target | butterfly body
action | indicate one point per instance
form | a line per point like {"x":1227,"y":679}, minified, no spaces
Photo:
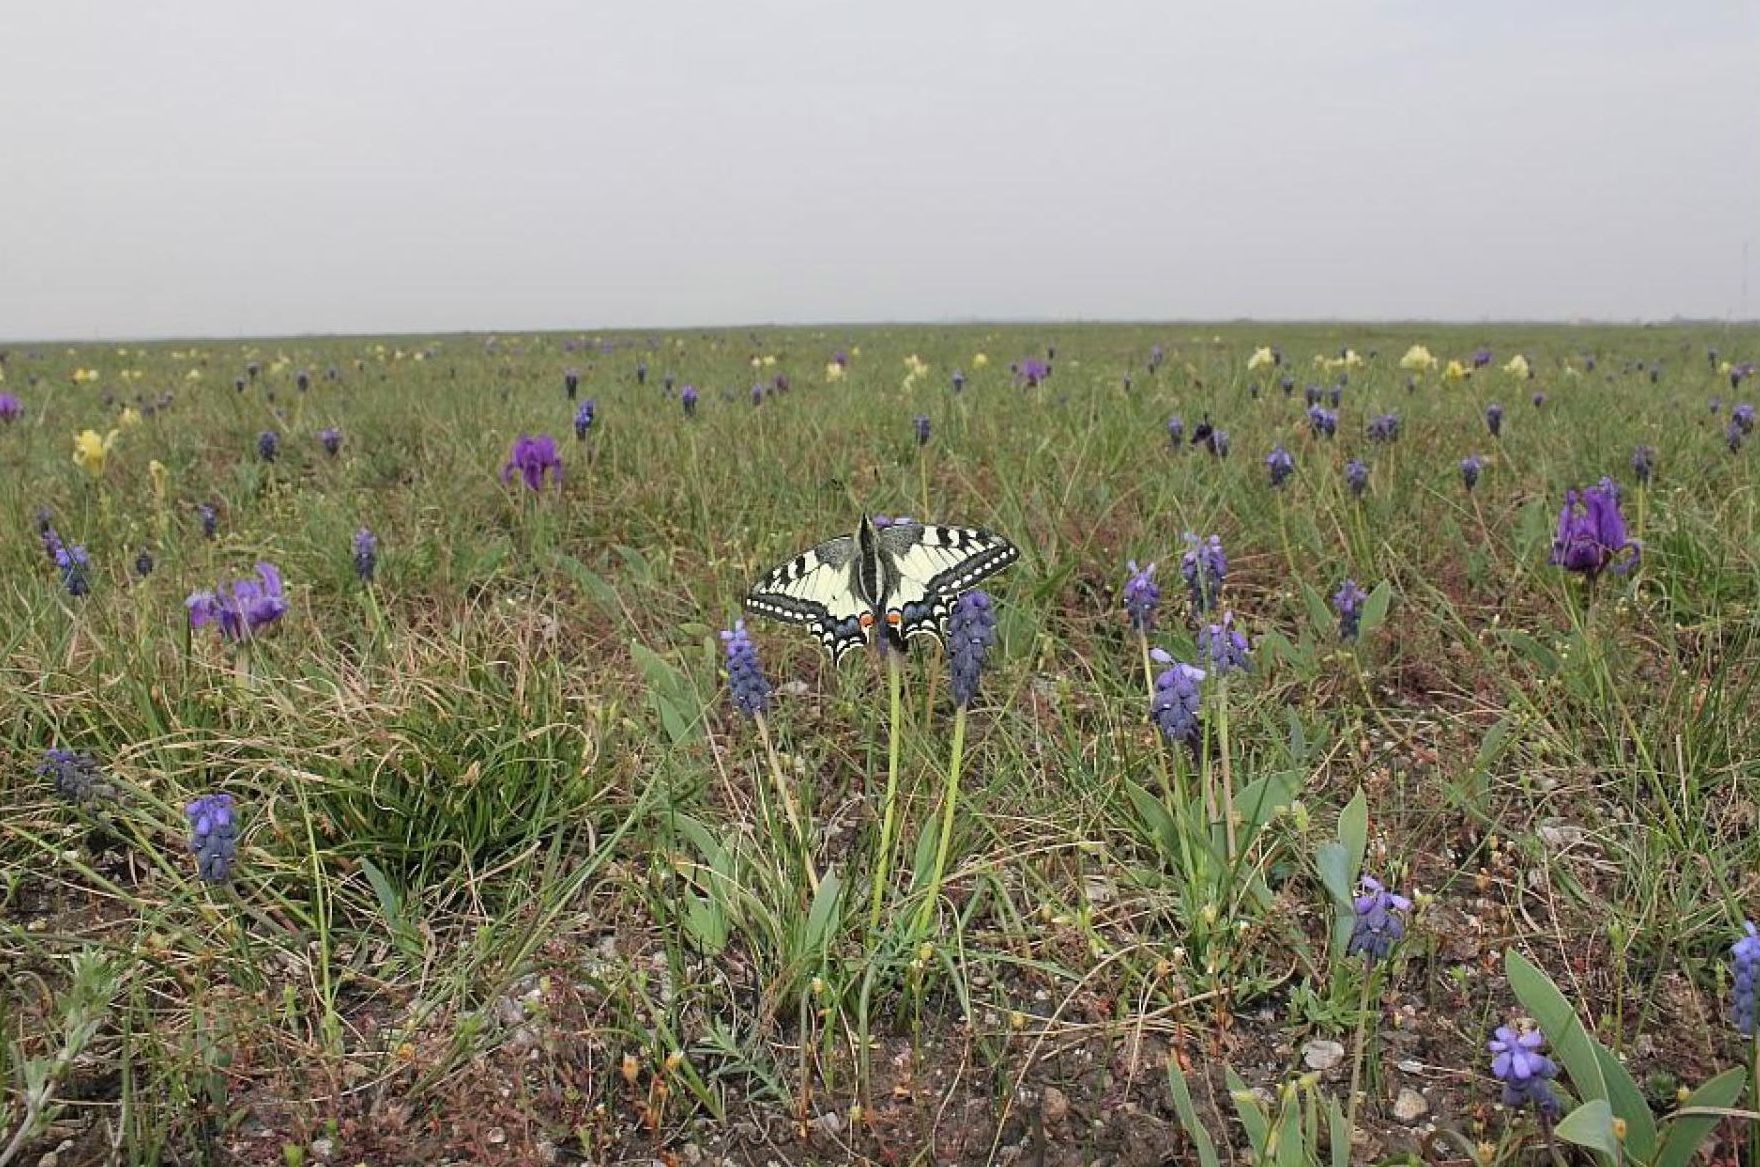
{"x":901,"y":578}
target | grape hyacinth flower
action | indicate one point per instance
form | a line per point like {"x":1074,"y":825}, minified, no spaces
{"x":1592,"y":533}
{"x":583,"y":419}
{"x":920,"y":424}
{"x":1176,"y":430}
{"x":1732,"y":436}
{"x":571,"y":382}
{"x":668,"y":381}
{"x":1337,"y":394}
{"x":1384,"y":428}
{"x":1481,"y":358}
{"x":745,"y":677}
{"x":252,"y":605}
{"x":1494,"y":419}
{"x":1218,"y":443}
{"x":758,"y":393}
{"x":1745,"y":970}
{"x":1204,"y":567}
{"x":331,"y":439}
{"x":881,"y":522}
{"x":1644,"y":463}
{"x":252,"y":369}
{"x":642,"y":372}
{"x":268,"y":445}
{"x":75,"y":567}
{"x":1314,"y":395}
{"x":1225,"y":647}
{"x":971,"y":630}
{"x":532,"y":459}
{"x":1141,"y":596}
{"x":1281,"y":465}
{"x":1348,"y":602}
{"x":11,"y":408}
{"x":779,"y":383}
{"x":302,"y":380}
{"x":1175,"y":706}
{"x":1288,"y":385}
{"x":1743,"y":415}
{"x":238,"y":384}
{"x":1740,"y":373}
{"x":1156,"y":355}
{"x":76,"y":776}
{"x":1539,"y":399}
{"x":1378,"y":926}
{"x":1525,"y":1072}
{"x":143,"y":563}
{"x":688,"y":398}
{"x":1356,"y":476}
{"x":959,"y":381}
{"x":1322,"y":423}
{"x":1471,"y":465}
{"x":209,"y":514}
{"x":366,"y":554}
{"x":213,"y":836}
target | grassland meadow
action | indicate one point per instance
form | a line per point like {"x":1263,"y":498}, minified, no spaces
{"x":1359,"y":763}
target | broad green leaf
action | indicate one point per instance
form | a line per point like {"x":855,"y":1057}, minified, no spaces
{"x":1156,"y":818}
{"x":1680,"y":1142}
{"x":1375,"y":608}
{"x":1591,"y":1125}
{"x":1252,"y":1113}
{"x":1628,"y":1103}
{"x":819,"y":916}
{"x":1188,"y":1115}
{"x":1319,"y":615}
{"x":1258,"y":802}
{"x":1577,"y":1052}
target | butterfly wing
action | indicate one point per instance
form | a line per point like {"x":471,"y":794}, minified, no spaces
{"x":928,"y":566}
{"x":817,"y":588}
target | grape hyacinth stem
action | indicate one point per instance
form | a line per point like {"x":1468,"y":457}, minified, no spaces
{"x":926,"y":915}
{"x":1227,"y":766}
{"x":786,"y":793}
{"x":889,"y":816}
{"x":1370,"y":972}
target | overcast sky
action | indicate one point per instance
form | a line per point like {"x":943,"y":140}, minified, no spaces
{"x":215,"y":167}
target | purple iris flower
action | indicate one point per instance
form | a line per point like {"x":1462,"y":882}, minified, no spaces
{"x":688,"y":398}
{"x":1218,"y":443}
{"x":1313,"y":394}
{"x":1539,"y":399}
{"x":532,"y":459}
{"x":1592,"y":534}
{"x":1281,"y":464}
{"x":1141,"y":596}
{"x":1732,"y":436}
{"x":302,"y":380}
{"x":1288,"y":385}
{"x":1337,"y":394}
{"x":1471,"y":465}
{"x":1348,"y":602}
{"x":1156,"y":355}
{"x":1494,"y":419}
{"x":840,"y":358}
{"x":779,"y":383}
{"x":143,"y":563}
{"x":1740,"y":373}
{"x":209,"y":515}
{"x":252,"y":605}
{"x":642,"y":373}
{"x":1030,"y":372}
{"x":11,"y":408}
{"x":331,"y":440}
{"x":583,"y":418}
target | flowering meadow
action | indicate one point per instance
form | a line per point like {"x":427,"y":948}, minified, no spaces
{"x":1359,"y":764}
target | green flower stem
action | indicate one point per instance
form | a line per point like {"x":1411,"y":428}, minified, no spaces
{"x":883,"y":862}
{"x":927,"y":913}
{"x":1350,"y":1106}
{"x":789,"y":806}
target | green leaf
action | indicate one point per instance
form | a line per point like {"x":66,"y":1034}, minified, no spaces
{"x":1325,"y":626}
{"x":1188,"y":1115}
{"x":819,"y":916}
{"x":1536,"y":653}
{"x":1685,"y":1132}
{"x":601,"y":593}
{"x":1258,"y":802}
{"x":1591,"y":1125}
{"x":391,"y":908}
{"x":1628,"y":1103}
{"x":1252,"y":1113}
{"x":1375,"y":609}
{"x":1339,"y":1133}
{"x":1155,"y":817}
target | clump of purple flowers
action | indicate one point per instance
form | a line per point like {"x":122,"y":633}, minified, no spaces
{"x":583,"y":418}
{"x":1644,"y":463}
{"x":1281,"y":465}
{"x":1204,"y":568}
{"x":251,"y":606}
{"x":76,"y":776}
{"x":1030,"y":372}
{"x":1525,"y":1072}
{"x":688,"y":398}
{"x":1175,"y":705}
{"x":745,"y":677}
{"x":1141,"y":596}
{"x":1592,"y":533}
{"x":1745,"y":970}
{"x":1743,"y":415}
{"x":75,"y":566}
{"x":331,"y":439}
{"x":11,"y":408}
{"x":532,"y":459}
{"x":1494,"y":419}
{"x":1471,"y":465}
{"x":1322,"y":423}
{"x":213,"y":836}
{"x":268,"y":445}
{"x":1225,"y":647}
{"x":1384,"y":428}
{"x":1356,"y":476}
{"x":1348,"y":602}
{"x":366,"y":555}
{"x":971,"y":630}
{"x":1378,"y":925}
{"x":920,"y":424}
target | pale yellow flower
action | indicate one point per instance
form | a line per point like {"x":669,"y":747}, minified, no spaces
{"x":1417,"y":360}
{"x":769,"y":361}
{"x":980,"y":361}
{"x":917,"y":365}
{"x":193,"y":375}
{"x":1725,"y":368}
{"x":1517,"y":366}
{"x":757,"y":362}
{"x":1456,"y":372}
{"x":130,"y":418}
{"x":1352,"y":359}
{"x":833,"y":371}
{"x":161,"y":479}
{"x":84,"y":376}
{"x":856,"y":351}
{"x":1261,"y":359}
{"x":91,"y":451}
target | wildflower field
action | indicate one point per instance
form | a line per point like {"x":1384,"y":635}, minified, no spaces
{"x":1357,"y":764}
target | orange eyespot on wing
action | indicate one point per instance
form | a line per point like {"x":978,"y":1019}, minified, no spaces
{"x":867,"y":619}
{"x":895,"y":618}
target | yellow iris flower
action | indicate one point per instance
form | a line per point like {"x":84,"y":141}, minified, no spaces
{"x":1417,"y":360}
{"x":90,"y":451}
{"x":980,"y":361}
{"x":130,"y":418}
{"x":1517,"y":366}
{"x":1261,"y":359}
{"x":1456,"y":372}
{"x":833,"y":371}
